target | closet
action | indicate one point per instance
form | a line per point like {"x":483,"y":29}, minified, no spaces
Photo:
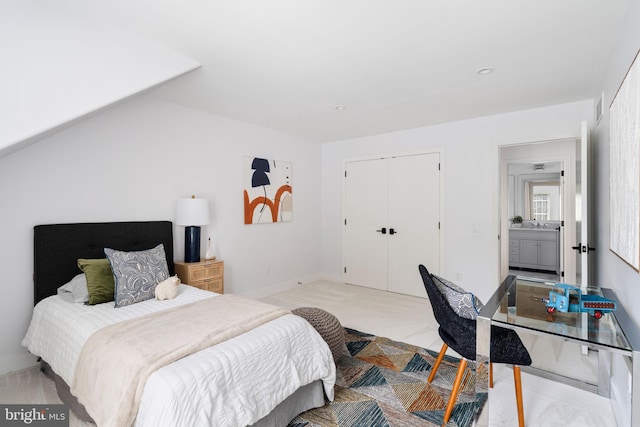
{"x":392,"y":221}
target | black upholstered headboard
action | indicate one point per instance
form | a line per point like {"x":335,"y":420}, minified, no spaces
{"x":57,"y":248}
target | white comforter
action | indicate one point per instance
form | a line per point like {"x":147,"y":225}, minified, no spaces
{"x":234,"y":383}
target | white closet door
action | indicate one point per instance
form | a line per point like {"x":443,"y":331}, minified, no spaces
{"x":392,"y":209}
{"x":414,"y":215}
{"x":366,"y":191}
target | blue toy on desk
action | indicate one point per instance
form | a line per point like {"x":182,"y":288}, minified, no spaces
{"x":570,"y":299}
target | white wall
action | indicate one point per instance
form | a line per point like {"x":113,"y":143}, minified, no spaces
{"x":470,"y":173}
{"x":133,"y":162}
{"x":611,"y":271}
{"x":58,"y":68}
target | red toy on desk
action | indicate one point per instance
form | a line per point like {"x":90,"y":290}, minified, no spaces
{"x":567,"y":298}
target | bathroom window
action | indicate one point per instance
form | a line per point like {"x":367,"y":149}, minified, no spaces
{"x":543,"y":201}
{"x":541,"y":205}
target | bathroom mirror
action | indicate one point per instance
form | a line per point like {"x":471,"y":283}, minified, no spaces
{"x":535,"y":191}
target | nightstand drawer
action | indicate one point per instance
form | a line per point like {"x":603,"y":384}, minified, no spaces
{"x":208,"y":274}
{"x":205,"y":271}
{"x":213,"y":285}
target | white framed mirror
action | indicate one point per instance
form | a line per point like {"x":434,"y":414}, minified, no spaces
{"x":535,"y":191}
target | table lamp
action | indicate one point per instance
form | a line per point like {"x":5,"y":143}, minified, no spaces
{"x":192,"y":213}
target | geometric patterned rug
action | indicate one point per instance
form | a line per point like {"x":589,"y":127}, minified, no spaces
{"x":380,"y":382}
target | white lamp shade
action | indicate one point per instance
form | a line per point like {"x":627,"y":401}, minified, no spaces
{"x":192,"y":212}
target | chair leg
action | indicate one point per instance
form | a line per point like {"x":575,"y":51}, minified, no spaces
{"x":455,"y":390}
{"x":518,"y":381}
{"x":436,"y":365}
{"x":490,"y":375}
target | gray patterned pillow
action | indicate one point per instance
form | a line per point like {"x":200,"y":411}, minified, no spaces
{"x":136,"y":274}
{"x":464,"y":303}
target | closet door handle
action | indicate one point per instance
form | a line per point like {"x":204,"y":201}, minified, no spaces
{"x":392,"y":231}
{"x":383,"y":230}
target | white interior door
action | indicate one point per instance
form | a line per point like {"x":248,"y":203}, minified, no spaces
{"x":366,"y":189}
{"x":414,"y":215}
{"x":392,"y":211}
{"x":582,"y":208}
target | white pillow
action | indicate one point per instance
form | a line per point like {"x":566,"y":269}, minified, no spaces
{"x":75,"y":290}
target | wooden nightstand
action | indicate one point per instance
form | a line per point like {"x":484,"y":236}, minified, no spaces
{"x":207,"y":275}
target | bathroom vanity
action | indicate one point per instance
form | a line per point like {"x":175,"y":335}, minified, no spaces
{"x":535,"y":247}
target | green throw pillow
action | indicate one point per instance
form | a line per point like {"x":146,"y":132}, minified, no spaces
{"x":99,"y":279}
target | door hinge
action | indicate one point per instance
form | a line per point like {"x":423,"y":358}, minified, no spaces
{"x":438,"y":166}
{"x":561,"y":173}
{"x":345,"y":174}
{"x":562,"y":223}
{"x":562,"y":274}
{"x":438,"y":225}
{"x":345,"y":269}
{"x":345,"y":221}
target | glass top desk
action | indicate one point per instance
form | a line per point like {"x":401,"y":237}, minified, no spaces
{"x":518,"y":305}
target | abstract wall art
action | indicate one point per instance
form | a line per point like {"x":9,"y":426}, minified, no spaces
{"x":267,"y":191}
{"x":624,"y":183}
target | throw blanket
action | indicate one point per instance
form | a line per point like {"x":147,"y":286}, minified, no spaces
{"x":116,"y":360}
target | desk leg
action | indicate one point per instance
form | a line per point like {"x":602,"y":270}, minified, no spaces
{"x":604,"y":373}
{"x":584,"y":320}
{"x":635,"y":388}
{"x":483,"y":346}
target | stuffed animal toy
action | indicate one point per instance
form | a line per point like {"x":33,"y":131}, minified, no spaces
{"x":168,"y":288}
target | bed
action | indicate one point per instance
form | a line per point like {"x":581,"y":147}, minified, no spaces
{"x":263,"y":377}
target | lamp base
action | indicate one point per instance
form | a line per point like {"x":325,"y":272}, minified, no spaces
{"x":192,"y":244}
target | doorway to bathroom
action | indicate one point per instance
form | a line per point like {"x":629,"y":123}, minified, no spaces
{"x":535,"y":245}
{"x":535,"y":210}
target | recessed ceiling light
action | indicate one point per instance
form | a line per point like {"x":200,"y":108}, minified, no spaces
{"x":485,"y":70}
{"x":340,"y":107}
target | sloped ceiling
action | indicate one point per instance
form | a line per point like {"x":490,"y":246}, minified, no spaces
{"x":287,"y":64}
{"x":57,"y":68}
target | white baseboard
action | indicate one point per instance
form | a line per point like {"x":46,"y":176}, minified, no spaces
{"x":17,"y":362}
{"x":281,"y":287}
{"x":336,"y":278}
